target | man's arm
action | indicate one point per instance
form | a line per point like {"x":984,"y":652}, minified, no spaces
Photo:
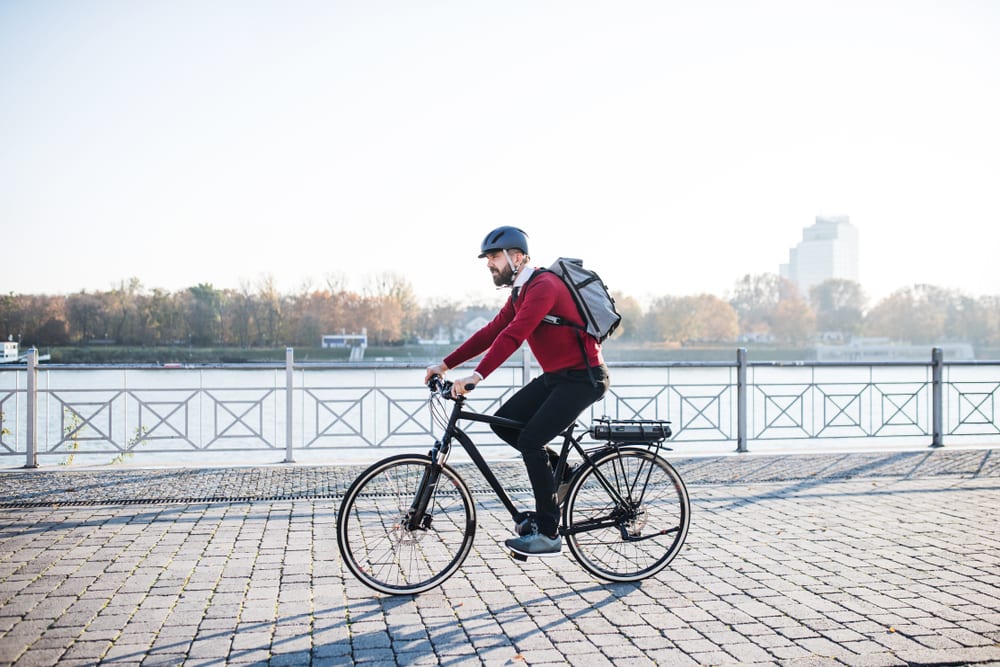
{"x":538,"y":298}
{"x":481,"y":341}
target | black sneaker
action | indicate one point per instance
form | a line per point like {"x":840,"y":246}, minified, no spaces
{"x":535,"y":544}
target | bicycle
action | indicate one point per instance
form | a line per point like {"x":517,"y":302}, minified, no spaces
{"x":407,"y":523}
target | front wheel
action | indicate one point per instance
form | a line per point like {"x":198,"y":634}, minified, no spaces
{"x":381,"y":542}
{"x":626,"y":516}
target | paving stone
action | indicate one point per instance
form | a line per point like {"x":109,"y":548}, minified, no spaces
{"x":875,"y":559}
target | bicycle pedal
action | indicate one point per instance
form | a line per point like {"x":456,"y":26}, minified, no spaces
{"x":517,"y":556}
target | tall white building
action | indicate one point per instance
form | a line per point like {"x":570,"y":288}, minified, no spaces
{"x":829,"y":249}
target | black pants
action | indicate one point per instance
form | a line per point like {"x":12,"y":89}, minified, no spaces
{"x":548,"y":405}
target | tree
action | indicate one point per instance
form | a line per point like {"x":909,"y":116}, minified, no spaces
{"x":85,"y":316}
{"x":655,"y":324}
{"x":205,"y":315}
{"x":309,"y":316}
{"x":389,"y":309}
{"x":986,"y":330}
{"x":771,"y":305}
{"x":52,"y":332}
{"x":9,"y":326}
{"x":839,"y":306}
{"x":923,"y":314}
{"x":628,"y":307}
{"x":240,"y":326}
{"x":123,"y":311}
{"x":261,"y":315}
{"x":441,"y":317}
{"x":719,"y":321}
{"x":41,"y":320}
{"x":27,"y":317}
{"x":163,"y":318}
{"x":754,"y":299}
{"x":269,"y":315}
{"x":687,"y":319}
{"x":793,"y":321}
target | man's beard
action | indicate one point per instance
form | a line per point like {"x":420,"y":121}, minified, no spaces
{"x":503,"y":278}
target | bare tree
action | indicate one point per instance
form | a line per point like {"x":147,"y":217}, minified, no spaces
{"x":923,"y":314}
{"x":629,"y":308}
{"x":687,"y":319}
{"x":839,"y":305}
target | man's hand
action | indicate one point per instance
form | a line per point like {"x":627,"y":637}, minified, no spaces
{"x":436,"y":369}
{"x":459,"y":388}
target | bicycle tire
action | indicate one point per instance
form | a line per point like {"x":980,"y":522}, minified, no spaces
{"x":655,"y":517}
{"x":375,"y":542}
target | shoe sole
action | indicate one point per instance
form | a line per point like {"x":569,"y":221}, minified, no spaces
{"x":524,"y":554}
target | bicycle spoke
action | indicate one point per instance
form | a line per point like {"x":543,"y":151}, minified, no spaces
{"x":375,"y":537}
{"x":627,"y":516}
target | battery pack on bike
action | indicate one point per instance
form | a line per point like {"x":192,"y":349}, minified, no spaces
{"x":621,"y":431}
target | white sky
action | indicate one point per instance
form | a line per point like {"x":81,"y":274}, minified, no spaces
{"x":675,"y":146}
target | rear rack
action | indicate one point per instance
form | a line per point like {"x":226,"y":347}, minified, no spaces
{"x":619,"y":431}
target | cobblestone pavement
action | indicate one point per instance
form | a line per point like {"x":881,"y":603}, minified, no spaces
{"x":820,"y":559}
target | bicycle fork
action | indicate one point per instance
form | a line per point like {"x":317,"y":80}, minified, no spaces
{"x":417,"y":518}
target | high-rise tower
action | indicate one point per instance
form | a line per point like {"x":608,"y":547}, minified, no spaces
{"x":829,"y":249}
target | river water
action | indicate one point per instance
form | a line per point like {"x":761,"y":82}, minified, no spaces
{"x":239,"y":415}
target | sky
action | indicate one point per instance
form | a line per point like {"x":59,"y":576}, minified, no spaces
{"x":674,"y":146}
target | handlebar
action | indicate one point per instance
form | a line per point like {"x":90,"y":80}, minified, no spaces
{"x":439,"y":385}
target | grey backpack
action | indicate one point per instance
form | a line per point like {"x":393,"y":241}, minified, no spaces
{"x":596,"y":306}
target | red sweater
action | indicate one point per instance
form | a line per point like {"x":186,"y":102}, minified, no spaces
{"x":555,"y":346}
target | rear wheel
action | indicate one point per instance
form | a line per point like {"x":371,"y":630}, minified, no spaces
{"x":382,"y":545}
{"x":627,"y":516}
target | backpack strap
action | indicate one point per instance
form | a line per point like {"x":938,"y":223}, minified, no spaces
{"x":516,"y":291}
{"x":581,"y":330}
{"x":562,"y":321}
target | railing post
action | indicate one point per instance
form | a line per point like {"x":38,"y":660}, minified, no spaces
{"x":741,"y":400}
{"x":32,"y":430}
{"x":937,"y":397}
{"x":289,"y":410}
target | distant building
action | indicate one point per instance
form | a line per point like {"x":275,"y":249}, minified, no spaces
{"x":345,"y":340}
{"x":357,"y":343}
{"x":883,"y":349}
{"x":9,"y":351}
{"x":829,"y":249}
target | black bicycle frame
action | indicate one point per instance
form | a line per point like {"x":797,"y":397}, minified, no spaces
{"x":452,"y":431}
{"x":477,"y":457}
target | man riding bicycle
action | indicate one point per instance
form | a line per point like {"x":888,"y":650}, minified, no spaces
{"x":572,"y":379}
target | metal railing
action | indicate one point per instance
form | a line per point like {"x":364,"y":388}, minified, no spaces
{"x":296,"y":410}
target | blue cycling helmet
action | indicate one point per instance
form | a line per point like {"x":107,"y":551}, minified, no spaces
{"x":505,"y":238}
